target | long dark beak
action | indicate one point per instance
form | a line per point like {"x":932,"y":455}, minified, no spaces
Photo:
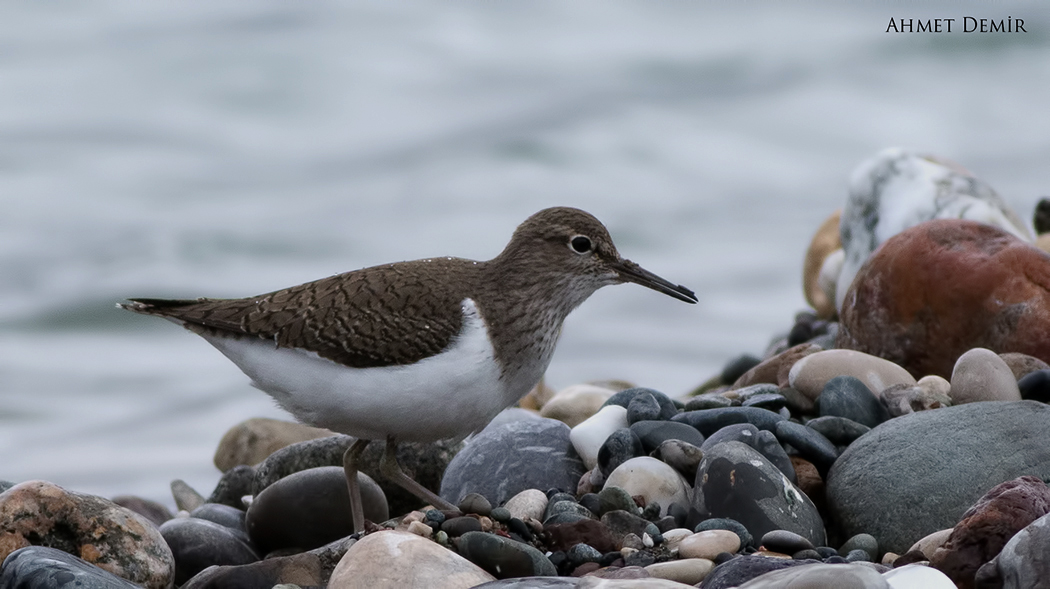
{"x":631,"y":272}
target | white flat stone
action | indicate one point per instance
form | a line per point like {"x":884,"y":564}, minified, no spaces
{"x":653,"y":480}
{"x":591,"y":433}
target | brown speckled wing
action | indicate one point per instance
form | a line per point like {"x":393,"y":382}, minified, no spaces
{"x":389,"y":315}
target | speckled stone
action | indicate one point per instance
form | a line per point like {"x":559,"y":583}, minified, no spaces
{"x":95,"y":529}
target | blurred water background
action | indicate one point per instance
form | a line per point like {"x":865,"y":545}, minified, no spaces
{"x":232,"y":148}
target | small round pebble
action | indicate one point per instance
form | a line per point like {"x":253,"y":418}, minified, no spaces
{"x":725,"y":523}
{"x":475,"y":503}
{"x":500,"y":514}
{"x":865,"y":542}
{"x":458,"y":526}
{"x":581,"y":553}
{"x":785,"y":542}
{"x":858,"y":555}
{"x":612,"y":498}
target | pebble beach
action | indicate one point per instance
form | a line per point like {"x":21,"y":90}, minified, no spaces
{"x":893,"y":436}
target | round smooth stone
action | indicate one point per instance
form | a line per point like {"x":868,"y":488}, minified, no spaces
{"x":654,"y":433}
{"x":457,"y":526}
{"x":501,"y":514}
{"x":574,"y":404}
{"x":740,"y":569}
{"x":589,"y":435}
{"x":807,"y":554}
{"x":621,"y":446}
{"x":504,"y":557}
{"x":838,"y":430}
{"x":43,"y":567}
{"x":566,"y":507}
{"x":279,"y":518}
{"x":681,"y":456}
{"x":624,"y":398}
{"x":811,"y":374}
{"x":784,"y":542}
{"x":857,"y":555}
{"x":1035,"y":386}
{"x":233,"y":485}
{"x":840,"y":576}
{"x":709,"y":544}
{"x":981,"y":375}
{"x":528,"y":504}
{"x":865,"y":542}
{"x":689,"y":571}
{"x":198,"y":544}
{"x":847,"y":396}
{"x":367,"y":563}
{"x":651,"y":479}
{"x":592,"y":503}
{"x":725,"y":523}
{"x":709,"y":421}
{"x":475,"y":503}
{"x":749,"y":392}
{"x":813,"y":446}
{"x":224,"y":515}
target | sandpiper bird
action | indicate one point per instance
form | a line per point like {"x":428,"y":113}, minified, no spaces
{"x":415,"y":351}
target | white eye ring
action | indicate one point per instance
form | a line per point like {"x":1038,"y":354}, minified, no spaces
{"x":580,"y":244}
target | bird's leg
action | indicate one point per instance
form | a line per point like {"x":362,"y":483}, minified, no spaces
{"x":350,"y":457}
{"x":392,"y":470}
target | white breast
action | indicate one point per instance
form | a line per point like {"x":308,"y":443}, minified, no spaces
{"x":445,"y":396}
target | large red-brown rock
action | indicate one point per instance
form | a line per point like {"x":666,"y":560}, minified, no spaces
{"x":987,"y":526}
{"x":943,"y":287}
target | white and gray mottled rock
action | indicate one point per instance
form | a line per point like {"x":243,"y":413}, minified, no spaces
{"x":501,"y":463}
{"x":1025,"y":560}
{"x":651,"y":479}
{"x":919,"y":473}
{"x":898,"y":189}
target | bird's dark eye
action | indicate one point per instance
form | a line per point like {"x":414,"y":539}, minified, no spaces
{"x":580,"y":244}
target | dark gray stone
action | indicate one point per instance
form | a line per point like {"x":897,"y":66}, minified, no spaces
{"x":613,"y":498}
{"x":502,"y":462}
{"x":838,"y":430}
{"x":736,"y":368}
{"x":503,"y":557}
{"x":785,"y":542}
{"x":770,"y":401}
{"x":681,"y":456}
{"x":582,"y":553}
{"x":737,"y":482}
{"x":425,"y":463}
{"x":643,"y":407}
{"x":234,"y":484}
{"x":624,"y":398}
{"x":42,"y":567}
{"x":310,"y":508}
{"x":847,"y":396}
{"x":475,"y":503}
{"x":865,"y":542}
{"x":457,"y":526}
{"x":810,"y":443}
{"x":198,"y":544}
{"x":224,"y":515}
{"x":743,"y":568}
{"x":709,"y":421}
{"x":1035,"y":386}
{"x":566,"y":512}
{"x":306,"y":569}
{"x":621,"y":446}
{"x":763,"y":441}
{"x":621,"y":523}
{"x":654,"y":433}
{"x":919,"y":473}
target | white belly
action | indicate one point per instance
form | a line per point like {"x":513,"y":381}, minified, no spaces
{"x":449,"y":395}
